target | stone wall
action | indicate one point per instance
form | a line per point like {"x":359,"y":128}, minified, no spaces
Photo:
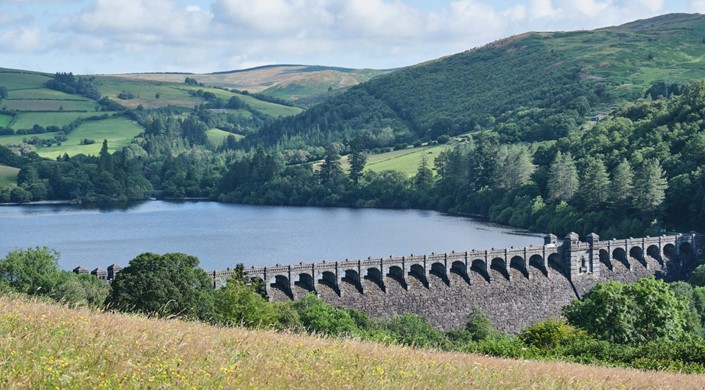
{"x":513,"y":296}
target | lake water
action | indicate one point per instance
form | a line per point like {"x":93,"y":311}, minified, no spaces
{"x":222,"y":235}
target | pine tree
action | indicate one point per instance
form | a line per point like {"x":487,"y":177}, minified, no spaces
{"x":650,"y":186}
{"x":358,"y":159}
{"x":105,"y":162}
{"x":563,"y":180}
{"x":595,"y":184}
{"x":622,"y":184}
{"x":514,"y":167}
{"x":423,"y":181}
{"x":331,"y":171}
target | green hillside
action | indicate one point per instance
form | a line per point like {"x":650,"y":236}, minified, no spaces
{"x":57,"y":121}
{"x":530,"y":87}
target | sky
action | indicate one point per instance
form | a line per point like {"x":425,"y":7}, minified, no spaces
{"x":123,"y":36}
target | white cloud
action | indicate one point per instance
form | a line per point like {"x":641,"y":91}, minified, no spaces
{"x":22,"y":39}
{"x":698,"y":6}
{"x":138,"y":21}
{"x":211,"y":35}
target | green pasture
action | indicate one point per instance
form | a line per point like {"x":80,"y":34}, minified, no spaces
{"x":240,"y":113}
{"x":14,"y":80}
{"x":5,"y":120}
{"x":145,"y":92}
{"x":8,"y":175}
{"x":7,"y":140}
{"x":217,"y":136}
{"x":177,"y":94}
{"x":42,"y":93}
{"x":26,"y":120}
{"x":271,"y":109}
{"x":49,"y":105}
{"x":405,"y":161}
{"x":118,"y":131}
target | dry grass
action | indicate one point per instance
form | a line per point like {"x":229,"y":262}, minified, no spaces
{"x":47,"y":346}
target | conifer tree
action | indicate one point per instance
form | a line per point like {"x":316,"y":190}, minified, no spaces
{"x":563,"y":180}
{"x":595,"y":184}
{"x":650,"y":186}
{"x":423,"y":181}
{"x":358,"y":159}
{"x":622,"y":183}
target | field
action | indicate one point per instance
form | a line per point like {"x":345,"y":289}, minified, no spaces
{"x":8,"y":175}
{"x":28,"y":119}
{"x":5,"y":120}
{"x":49,"y":105}
{"x":20,"y":79}
{"x":177,"y":94}
{"x":405,"y":161}
{"x":118,"y":131}
{"x":44,"y":345}
{"x":217,"y":136}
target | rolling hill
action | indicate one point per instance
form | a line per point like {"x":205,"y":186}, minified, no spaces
{"x":529,"y":87}
{"x":27,"y":102}
{"x":304,"y":84}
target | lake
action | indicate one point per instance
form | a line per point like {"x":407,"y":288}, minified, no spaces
{"x":222,"y":235}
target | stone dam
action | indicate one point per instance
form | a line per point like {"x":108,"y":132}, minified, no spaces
{"x":515,"y":287}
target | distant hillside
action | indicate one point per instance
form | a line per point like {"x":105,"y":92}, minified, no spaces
{"x":303,"y":84}
{"x":528,"y":87}
{"x":56,"y":122}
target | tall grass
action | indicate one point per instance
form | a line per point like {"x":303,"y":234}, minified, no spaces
{"x":43,"y":345}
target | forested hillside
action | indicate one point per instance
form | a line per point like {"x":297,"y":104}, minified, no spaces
{"x":531,"y":87}
{"x":531,"y":152}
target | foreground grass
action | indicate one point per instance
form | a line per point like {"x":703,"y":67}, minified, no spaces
{"x":43,"y":345}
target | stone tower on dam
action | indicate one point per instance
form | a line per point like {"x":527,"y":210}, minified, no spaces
{"x":515,"y":287}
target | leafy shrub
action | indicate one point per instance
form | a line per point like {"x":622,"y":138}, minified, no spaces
{"x":239,"y":304}
{"x":320,"y":317}
{"x":413,"y":330}
{"x":479,"y":326}
{"x":549,"y":334}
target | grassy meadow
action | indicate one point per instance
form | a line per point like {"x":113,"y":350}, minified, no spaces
{"x":43,"y":345}
{"x":8,"y":175}
{"x":118,"y":131}
{"x":19,"y":79}
{"x":217,"y":136}
{"x":177,"y":94}
{"x":405,"y":161}
{"x":26,"y":120}
{"x":5,"y":120}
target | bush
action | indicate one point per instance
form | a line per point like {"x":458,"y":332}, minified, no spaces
{"x":549,"y":334}
{"x":320,"y":317}
{"x":413,"y":330}
{"x":630,"y":314}
{"x":479,"y":326}
{"x":32,"y":271}
{"x":239,"y":304}
{"x":697,"y":278}
{"x":163,"y":285}
{"x":81,"y":290}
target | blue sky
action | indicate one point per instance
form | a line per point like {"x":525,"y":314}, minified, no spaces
{"x":119,"y":36}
